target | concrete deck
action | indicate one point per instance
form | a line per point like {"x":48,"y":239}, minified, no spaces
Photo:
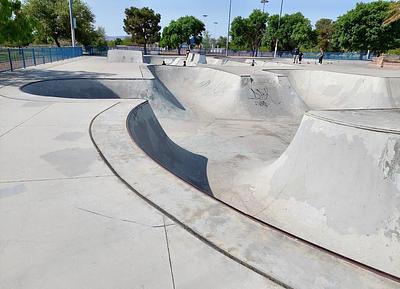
{"x":89,"y":205}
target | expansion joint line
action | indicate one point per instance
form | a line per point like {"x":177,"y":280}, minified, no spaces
{"x":169,"y":253}
{"x":25,"y":121}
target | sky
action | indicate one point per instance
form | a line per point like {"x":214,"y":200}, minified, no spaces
{"x":110,"y":13}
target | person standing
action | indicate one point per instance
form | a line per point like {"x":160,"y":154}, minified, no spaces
{"x":321,"y":55}
{"x":295,"y":55}
{"x":301,"y":54}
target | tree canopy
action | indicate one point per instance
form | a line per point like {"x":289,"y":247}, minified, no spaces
{"x":249,"y":32}
{"x":51,"y":21}
{"x":295,"y":30}
{"x":143,"y":25}
{"x":361,"y":28}
{"x":15,"y":26}
{"x":187,"y":29}
{"x":324,"y":29}
{"x":394,"y":13}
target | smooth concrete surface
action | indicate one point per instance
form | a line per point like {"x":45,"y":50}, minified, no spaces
{"x":325,"y":89}
{"x":240,"y":173}
{"x":246,"y":121}
{"x":124,"y":56}
{"x":66,"y":221}
{"x":283,"y":259}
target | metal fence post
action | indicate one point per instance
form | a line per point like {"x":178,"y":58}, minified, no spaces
{"x":34,"y":56}
{"x":9,"y":58}
{"x":23,"y":57}
{"x":51,"y":59}
{"x":44,"y":60}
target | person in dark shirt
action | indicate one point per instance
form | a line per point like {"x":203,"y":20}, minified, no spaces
{"x":295,"y":55}
{"x":301,"y":54}
{"x":321,"y":55}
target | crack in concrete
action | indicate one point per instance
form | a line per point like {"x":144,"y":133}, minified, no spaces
{"x":124,"y":220}
{"x":169,"y":254}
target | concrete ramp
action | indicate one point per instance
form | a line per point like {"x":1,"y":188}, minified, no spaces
{"x":339,"y":186}
{"x":125,"y":56}
{"x":336,"y":185}
{"x":332,"y":90}
{"x":148,"y":134}
{"x":209,"y":93}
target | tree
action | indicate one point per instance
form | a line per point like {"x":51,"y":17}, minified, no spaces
{"x":15,"y":26}
{"x":361,"y":29}
{"x":295,"y":31}
{"x":324,"y":29}
{"x":52,"y":22}
{"x":394,"y":13}
{"x":143,"y":25}
{"x":99,"y":38}
{"x":221,"y":41}
{"x":249,"y":32}
{"x":187,"y":29}
{"x":207,"y":40}
{"x":118,"y":41}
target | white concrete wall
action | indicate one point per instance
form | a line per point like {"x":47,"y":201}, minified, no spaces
{"x":332,"y":90}
{"x":117,"y":55}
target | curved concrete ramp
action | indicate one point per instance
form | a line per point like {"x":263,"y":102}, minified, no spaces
{"x":105,"y":88}
{"x":148,"y":134}
{"x":283,"y":259}
{"x":210,"y":93}
{"x":333,"y":90}
{"x":330,"y":186}
{"x":338,"y":186}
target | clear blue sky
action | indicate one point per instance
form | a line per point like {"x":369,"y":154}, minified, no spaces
{"x":110,"y":13}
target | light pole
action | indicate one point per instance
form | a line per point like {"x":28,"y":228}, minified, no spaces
{"x":205,"y":19}
{"x":279,"y":25}
{"x":71,"y":20}
{"x":264,"y":2}
{"x":229,"y":27}
{"x":215,"y":34}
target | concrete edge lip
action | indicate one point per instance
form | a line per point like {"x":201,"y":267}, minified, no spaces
{"x":199,"y":232}
{"x":338,"y":121}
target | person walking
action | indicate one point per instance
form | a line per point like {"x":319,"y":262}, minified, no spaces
{"x":295,"y":55}
{"x":321,"y":55}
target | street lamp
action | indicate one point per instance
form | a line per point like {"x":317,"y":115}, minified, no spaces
{"x":72,"y":23}
{"x":229,"y":27}
{"x":279,"y":25}
{"x":205,"y":19}
{"x":215,"y":23}
{"x":264,"y":2}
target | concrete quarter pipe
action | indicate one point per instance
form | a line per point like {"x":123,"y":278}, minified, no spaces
{"x":336,"y":185}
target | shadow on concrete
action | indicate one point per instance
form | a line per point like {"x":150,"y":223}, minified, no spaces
{"x":148,"y":134}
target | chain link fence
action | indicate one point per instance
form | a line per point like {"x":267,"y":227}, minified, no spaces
{"x":102,"y":51}
{"x":16,"y":58}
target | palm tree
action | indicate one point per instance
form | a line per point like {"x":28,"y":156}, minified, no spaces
{"x":394,"y":13}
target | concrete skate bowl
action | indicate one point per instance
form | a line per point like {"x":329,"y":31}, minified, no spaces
{"x":331,"y":179}
{"x":102,"y":88}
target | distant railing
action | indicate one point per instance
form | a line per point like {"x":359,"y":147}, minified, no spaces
{"x":15,"y":58}
{"x":331,"y":55}
{"x":102,"y":51}
{"x":289,"y":54}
